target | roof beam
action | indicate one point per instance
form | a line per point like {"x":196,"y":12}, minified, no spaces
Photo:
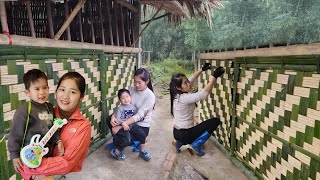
{"x":292,"y":50}
{"x":69,"y":19}
{"x":127,"y":5}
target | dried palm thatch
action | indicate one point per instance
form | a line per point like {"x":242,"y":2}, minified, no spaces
{"x":176,"y":9}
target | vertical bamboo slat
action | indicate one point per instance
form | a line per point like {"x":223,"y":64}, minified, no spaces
{"x":66,"y":12}
{"x":49,"y":16}
{"x":109,"y":21}
{"x":31,"y":22}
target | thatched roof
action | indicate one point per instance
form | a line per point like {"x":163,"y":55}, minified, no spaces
{"x":178,"y":9}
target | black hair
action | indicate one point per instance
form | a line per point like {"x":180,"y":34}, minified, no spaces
{"x":144,"y":74}
{"x":121,"y":91}
{"x":80,"y":81}
{"x":176,"y":81}
{"x":33,"y":75}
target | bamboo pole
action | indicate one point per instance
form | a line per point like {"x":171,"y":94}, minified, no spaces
{"x":80,"y":25}
{"x":31,"y":22}
{"x":66,"y":11}
{"x":116,"y":23}
{"x":102,"y":24}
{"x":45,"y":42}
{"x":109,"y":22}
{"x":70,"y":18}
{"x":122,"y":27}
{"x":4,"y":23}
{"x":91,"y":21}
{"x":49,"y":15}
{"x":293,"y":50}
{"x":234,"y":109}
{"x":154,"y":15}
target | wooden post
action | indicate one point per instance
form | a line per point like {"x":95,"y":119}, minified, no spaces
{"x":80,"y":25}
{"x":66,"y":12}
{"x":91,"y":21}
{"x":31,"y":22}
{"x":49,"y":16}
{"x":109,"y":22}
{"x":137,"y":38}
{"x":70,"y":18}
{"x":102,"y":23}
{"x":3,"y":15}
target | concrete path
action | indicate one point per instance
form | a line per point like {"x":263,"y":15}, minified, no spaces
{"x":165,"y":164}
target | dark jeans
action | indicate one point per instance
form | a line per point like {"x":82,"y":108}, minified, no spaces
{"x":136,"y":133}
{"x":121,"y":139}
{"x":187,"y":136}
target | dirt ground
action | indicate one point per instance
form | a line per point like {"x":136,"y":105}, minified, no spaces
{"x":165,"y":164}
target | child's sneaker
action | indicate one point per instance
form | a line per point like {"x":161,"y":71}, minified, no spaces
{"x":145,"y":155}
{"x":118,"y":155}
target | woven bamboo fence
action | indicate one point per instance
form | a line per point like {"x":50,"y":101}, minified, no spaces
{"x":104,"y":74}
{"x":270,"y":113}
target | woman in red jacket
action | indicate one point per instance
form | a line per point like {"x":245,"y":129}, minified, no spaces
{"x":75,"y":135}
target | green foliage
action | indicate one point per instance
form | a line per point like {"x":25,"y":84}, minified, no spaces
{"x":237,"y":24}
{"x":163,"y":70}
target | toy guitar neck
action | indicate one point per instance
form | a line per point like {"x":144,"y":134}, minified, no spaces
{"x":31,"y":155}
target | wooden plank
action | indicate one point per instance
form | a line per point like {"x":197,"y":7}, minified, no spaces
{"x":80,"y":25}
{"x":292,"y":50}
{"x":115,"y":15}
{"x":123,"y":34}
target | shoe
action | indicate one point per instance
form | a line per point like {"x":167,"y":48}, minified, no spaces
{"x":118,"y":155}
{"x":195,"y":147}
{"x":109,"y":146}
{"x":136,"y":146}
{"x":145,"y":155}
{"x":178,"y":145}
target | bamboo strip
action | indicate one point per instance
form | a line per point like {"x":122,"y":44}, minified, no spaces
{"x":300,"y":91}
{"x":306,"y":121}
{"x":311,"y":82}
{"x":15,"y":88}
{"x":9,"y":79}
{"x":293,"y":161}
{"x":311,"y":148}
{"x":302,"y":157}
{"x":6,"y":107}
{"x":297,"y":126}
{"x":276,"y":87}
{"x":282,"y":79}
{"x":287,"y":166}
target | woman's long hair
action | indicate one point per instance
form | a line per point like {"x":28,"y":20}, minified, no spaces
{"x":176,"y":81}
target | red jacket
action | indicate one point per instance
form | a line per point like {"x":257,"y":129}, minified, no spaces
{"x":75,"y":135}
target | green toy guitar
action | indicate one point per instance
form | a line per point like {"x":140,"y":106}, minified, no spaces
{"x":31,"y":155}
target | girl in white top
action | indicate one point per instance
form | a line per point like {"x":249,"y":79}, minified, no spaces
{"x":183,"y":103}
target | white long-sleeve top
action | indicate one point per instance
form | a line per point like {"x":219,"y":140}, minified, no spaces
{"x":184,"y":105}
{"x":144,"y":101}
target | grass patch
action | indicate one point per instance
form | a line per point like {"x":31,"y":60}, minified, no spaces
{"x":163,"y":70}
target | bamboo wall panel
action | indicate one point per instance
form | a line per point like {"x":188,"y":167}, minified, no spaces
{"x":119,"y":74}
{"x":219,"y":102}
{"x":277,"y":132}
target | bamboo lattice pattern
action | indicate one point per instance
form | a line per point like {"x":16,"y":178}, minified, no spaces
{"x":285,"y":103}
{"x":219,"y":103}
{"x":119,"y":73}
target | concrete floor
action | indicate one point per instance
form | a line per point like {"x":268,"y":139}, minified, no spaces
{"x":214,"y":165}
